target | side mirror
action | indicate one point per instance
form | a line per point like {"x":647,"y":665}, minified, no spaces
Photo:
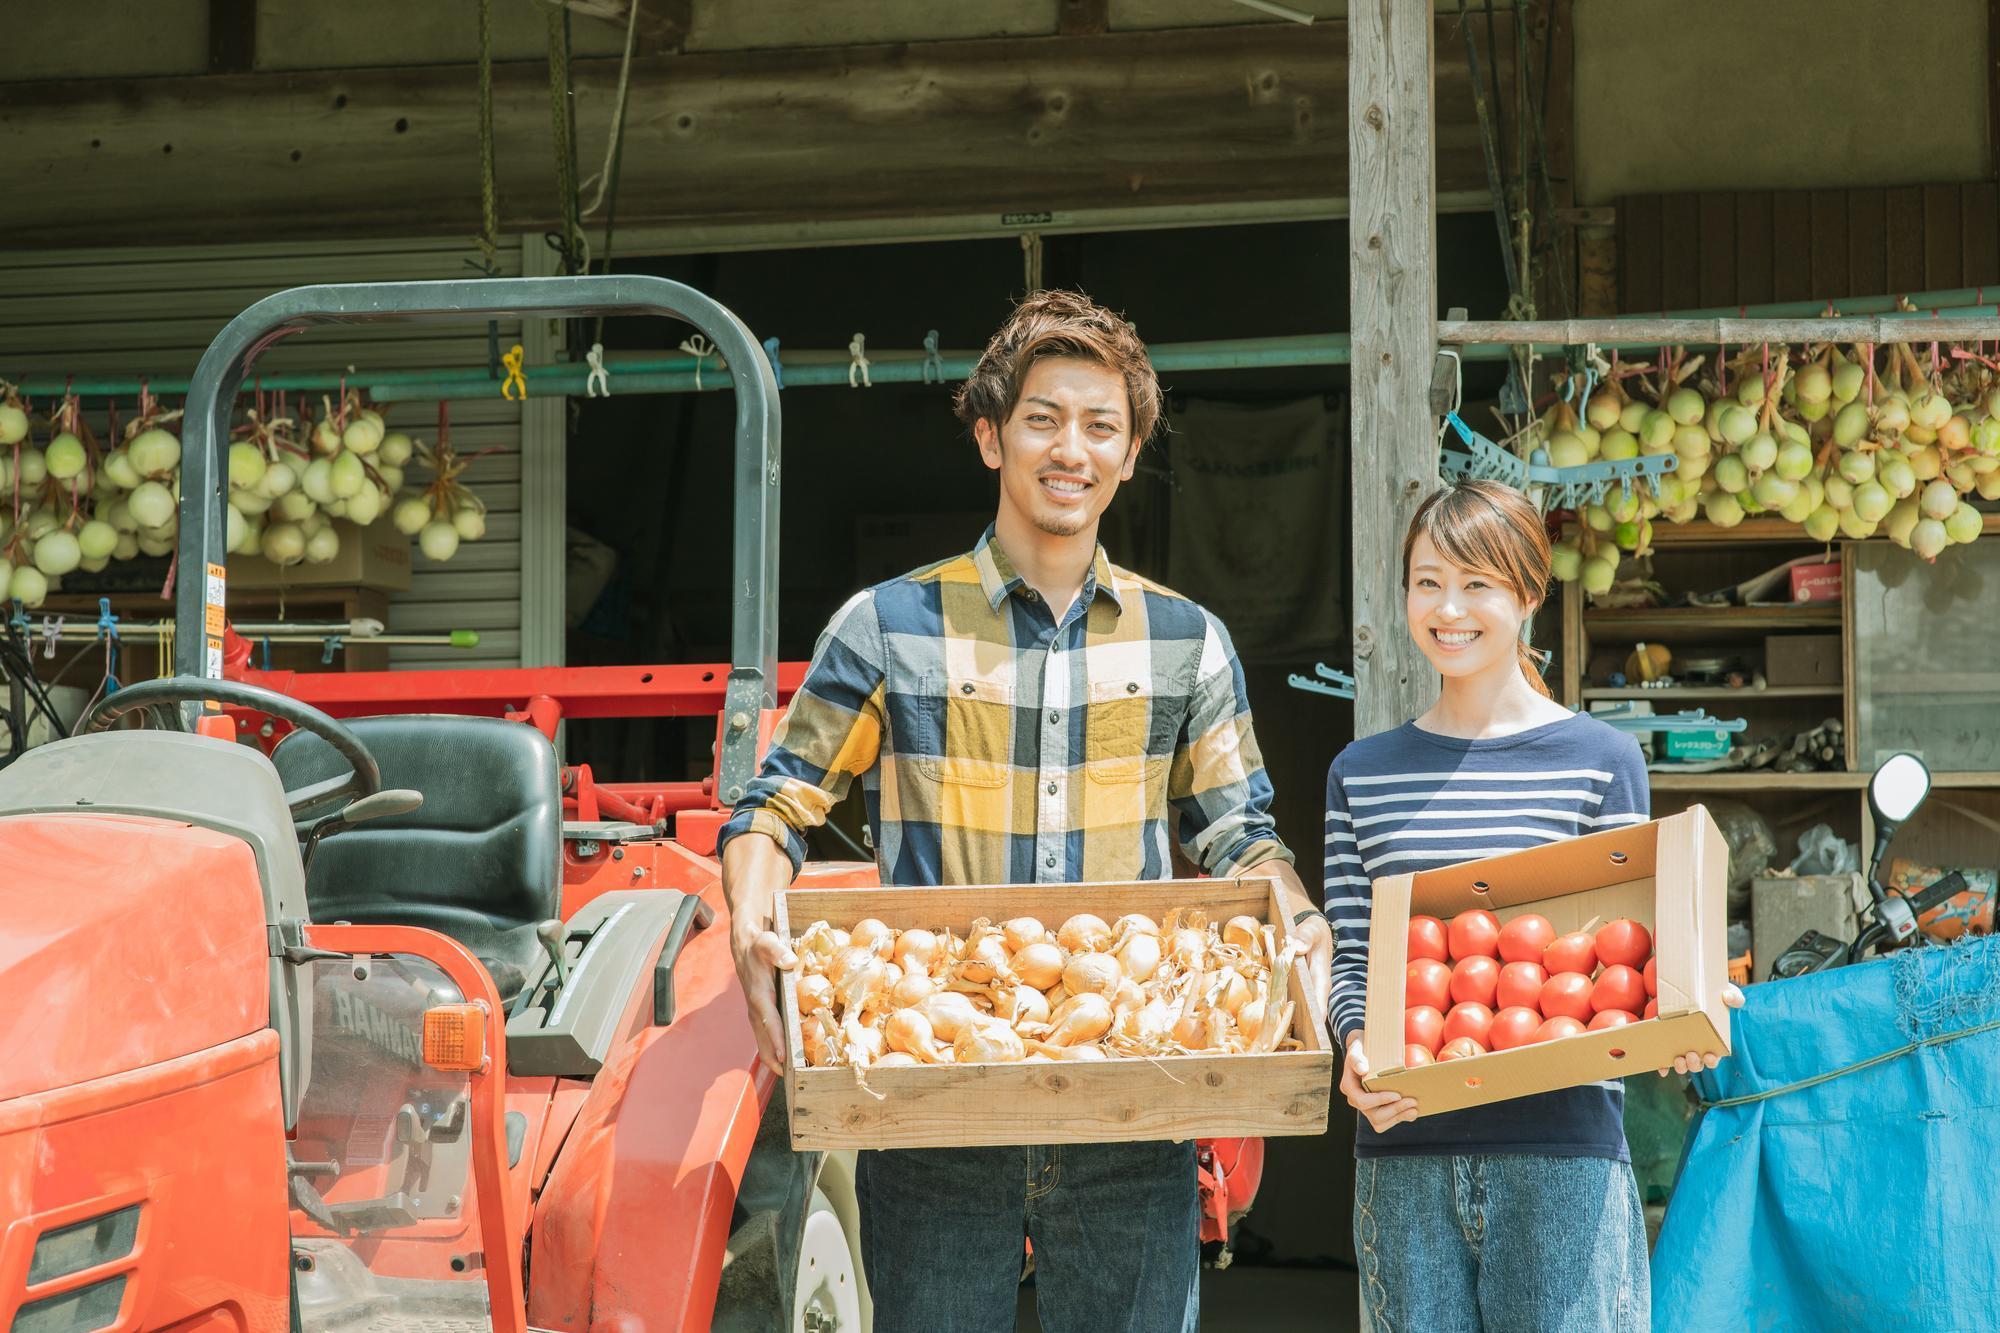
{"x":1897,"y":789}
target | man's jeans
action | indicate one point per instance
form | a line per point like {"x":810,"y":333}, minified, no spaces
{"x":1499,"y":1244}
{"x":1115,"y":1226}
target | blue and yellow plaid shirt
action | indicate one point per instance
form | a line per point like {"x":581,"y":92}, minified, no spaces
{"x":998,"y":746}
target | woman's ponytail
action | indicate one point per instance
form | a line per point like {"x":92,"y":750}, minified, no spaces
{"x":1531,"y":666}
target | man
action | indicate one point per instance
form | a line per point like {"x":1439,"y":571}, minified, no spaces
{"x":1024,"y":713}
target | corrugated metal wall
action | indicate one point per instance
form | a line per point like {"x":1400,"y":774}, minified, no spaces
{"x":153,"y":311}
{"x":1684,"y":251}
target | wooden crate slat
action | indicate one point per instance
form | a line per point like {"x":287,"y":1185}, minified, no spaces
{"x":1680,"y":246}
{"x":1791,"y":247}
{"x":1979,"y":230}
{"x":1867,"y":243}
{"x":1830,"y":278}
{"x":1639,"y":257}
{"x":1906,"y":239}
{"x":1944,"y":260}
{"x":1753,"y":248}
{"x":1717,"y":231}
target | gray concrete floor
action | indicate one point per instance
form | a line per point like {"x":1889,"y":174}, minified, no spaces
{"x":1244,"y":1299}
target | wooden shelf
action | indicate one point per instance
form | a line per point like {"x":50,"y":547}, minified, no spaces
{"x":1710,"y":621}
{"x":1755,"y":780}
{"x":1702,"y":692}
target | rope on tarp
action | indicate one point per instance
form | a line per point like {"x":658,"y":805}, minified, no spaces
{"x":1885,"y":1057}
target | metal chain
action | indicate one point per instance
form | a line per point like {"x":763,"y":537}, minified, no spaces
{"x":489,"y":237}
{"x":563,"y":124}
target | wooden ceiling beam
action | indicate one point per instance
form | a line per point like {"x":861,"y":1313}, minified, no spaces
{"x":1243,"y":114}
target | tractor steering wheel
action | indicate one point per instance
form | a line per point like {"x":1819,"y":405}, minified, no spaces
{"x":363,"y":778}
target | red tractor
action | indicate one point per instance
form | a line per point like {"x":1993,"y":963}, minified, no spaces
{"x":408,"y":1024}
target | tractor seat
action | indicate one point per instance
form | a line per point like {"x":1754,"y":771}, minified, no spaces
{"x":481,"y":861}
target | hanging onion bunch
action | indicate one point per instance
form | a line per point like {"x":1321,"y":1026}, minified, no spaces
{"x":1017,"y":991}
{"x":446,"y":512}
{"x":67,"y":504}
{"x":1847,"y":441}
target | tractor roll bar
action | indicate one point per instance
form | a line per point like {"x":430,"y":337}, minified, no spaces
{"x":212,"y":394}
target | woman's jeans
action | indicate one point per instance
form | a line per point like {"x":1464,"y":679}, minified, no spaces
{"x":1115,"y":1226}
{"x":1496,"y":1244}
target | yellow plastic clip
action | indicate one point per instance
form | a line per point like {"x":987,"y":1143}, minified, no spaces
{"x":515,"y":387}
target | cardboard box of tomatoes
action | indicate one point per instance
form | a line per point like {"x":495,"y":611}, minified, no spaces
{"x":1579,"y":961}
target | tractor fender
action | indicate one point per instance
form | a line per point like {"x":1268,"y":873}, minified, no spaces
{"x":632,"y":1229}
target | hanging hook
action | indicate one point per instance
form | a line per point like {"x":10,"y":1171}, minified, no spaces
{"x":857,"y":349}
{"x":700,"y":349}
{"x":777,"y":366}
{"x":933,"y":359}
{"x":515,"y":387}
{"x":598,"y":382}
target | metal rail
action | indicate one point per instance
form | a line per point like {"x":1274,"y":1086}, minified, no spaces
{"x":219,"y":377}
{"x":1656,"y":332}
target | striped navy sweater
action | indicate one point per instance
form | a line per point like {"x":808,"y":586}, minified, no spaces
{"x":1410,"y":800}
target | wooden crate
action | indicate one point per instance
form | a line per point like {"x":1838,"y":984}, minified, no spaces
{"x":938,"y":1106}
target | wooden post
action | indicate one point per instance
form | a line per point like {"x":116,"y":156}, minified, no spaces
{"x":1392,"y":289}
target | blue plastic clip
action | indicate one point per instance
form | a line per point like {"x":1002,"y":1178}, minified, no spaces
{"x":1563,"y":487}
{"x":266,"y":642}
{"x":777,"y":366}
{"x":18,"y":622}
{"x":1341,"y":688}
{"x":328,"y":648}
{"x":933,"y":359}
{"x":107,"y":630}
{"x":1688,"y":719}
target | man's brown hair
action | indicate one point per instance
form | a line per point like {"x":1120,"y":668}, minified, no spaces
{"x":1057,"y":323}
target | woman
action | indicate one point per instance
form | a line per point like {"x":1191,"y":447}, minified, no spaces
{"x":1519,"y":1214}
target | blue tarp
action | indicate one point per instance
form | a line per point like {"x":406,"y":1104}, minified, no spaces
{"x":1870,"y":1200}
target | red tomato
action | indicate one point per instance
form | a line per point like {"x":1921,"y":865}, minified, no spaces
{"x":1611,"y":1018}
{"x":1523,"y":939}
{"x":1423,"y":1026}
{"x":1468,"y":1020}
{"x":1475,"y":980}
{"x":1618,"y":987}
{"x":1427,"y":938}
{"x":1462,"y":1049}
{"x":1474,"y":934}
{"x":1562,"y":1025}
{"x":1567,"y":995}
{"x":1521,"y":985}
{"x":1427,"y":982}
{"x":1623,"y":941}
{"x":1574,"y":952}
{"x":1416,"y":1055}
{"x":1652,"y":976}
{"x":1513,"y":1027}
{"x":1652,"y":1009}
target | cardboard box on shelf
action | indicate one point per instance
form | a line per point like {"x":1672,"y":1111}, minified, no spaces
{"x":1104,"y":1101}
{"x":1802,"y":659}
{"x":376,"y":556}
{"x":1672,"y":875}
{"x":1816,"y":583}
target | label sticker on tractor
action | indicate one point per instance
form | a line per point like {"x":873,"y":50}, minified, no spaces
{"x":217,"y":577}
{"x":214,"y":669}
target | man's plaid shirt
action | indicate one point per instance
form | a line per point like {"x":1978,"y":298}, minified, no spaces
{"x":996,"y":746}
